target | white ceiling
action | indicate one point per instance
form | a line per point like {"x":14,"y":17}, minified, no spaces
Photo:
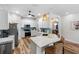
{"x":59,"y":9}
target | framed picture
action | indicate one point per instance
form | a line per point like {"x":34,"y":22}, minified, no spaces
{"x":75,"y":25}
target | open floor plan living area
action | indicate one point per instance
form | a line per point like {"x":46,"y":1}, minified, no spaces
{"x":39,"y":28}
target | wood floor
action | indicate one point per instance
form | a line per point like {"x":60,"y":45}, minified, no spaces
{"x":71,"y":48}
{"x":23,"y":46}
{"x":61,"y":47}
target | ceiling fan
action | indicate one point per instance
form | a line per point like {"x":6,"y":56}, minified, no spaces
{"x":29,"y":14}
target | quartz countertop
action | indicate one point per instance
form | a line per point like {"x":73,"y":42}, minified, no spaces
{"x":42,"y":41}
{"x":7,"y":39}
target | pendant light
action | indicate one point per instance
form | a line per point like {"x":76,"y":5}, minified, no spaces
{"x":45,"y":17}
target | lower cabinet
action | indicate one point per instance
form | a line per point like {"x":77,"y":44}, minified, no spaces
{"x":6,"y":48}
{"x":33,"y":48}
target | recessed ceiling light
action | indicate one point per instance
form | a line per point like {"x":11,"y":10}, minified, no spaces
{"x":39,"y":14}
{"x":67,"y":13}
{"x":17,"y":12}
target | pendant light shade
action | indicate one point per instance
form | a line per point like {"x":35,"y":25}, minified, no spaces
{"x":45,"y":17}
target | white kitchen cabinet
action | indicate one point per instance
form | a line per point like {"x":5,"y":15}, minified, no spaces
{"x":4,"y":20}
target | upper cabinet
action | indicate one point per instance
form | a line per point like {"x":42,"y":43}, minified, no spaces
{"x":4,"y":20}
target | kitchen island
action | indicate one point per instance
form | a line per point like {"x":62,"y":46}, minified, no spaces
{"x":42,"y":41}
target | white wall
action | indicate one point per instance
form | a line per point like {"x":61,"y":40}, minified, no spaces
{"x":13,"y":18}
{"x":67,"y":30}
{"x":3,"y":20}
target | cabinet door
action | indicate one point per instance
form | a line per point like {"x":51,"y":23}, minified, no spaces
{"x":6,"y":48}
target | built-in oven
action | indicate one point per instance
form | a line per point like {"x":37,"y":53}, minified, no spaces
{"x":27,"y":30}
